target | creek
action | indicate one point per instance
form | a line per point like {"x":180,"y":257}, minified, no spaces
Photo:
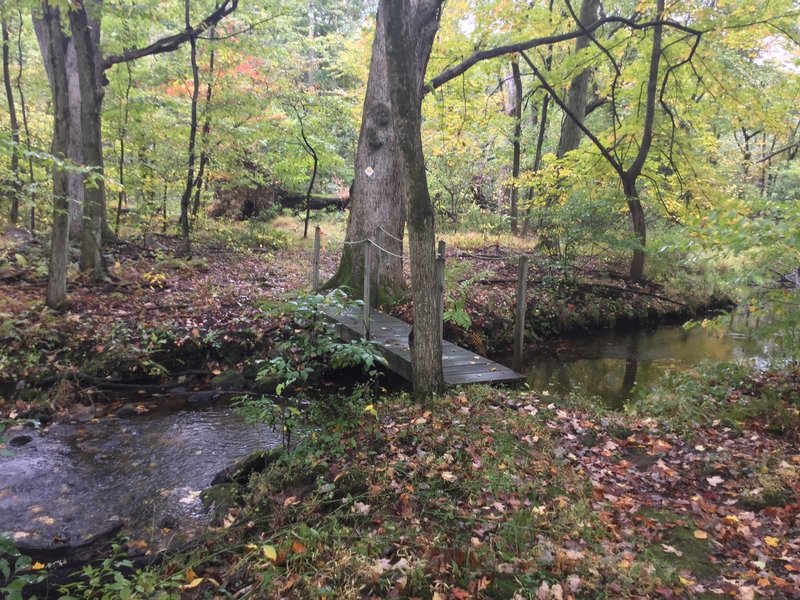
{"x":613,"y":365}
{"x":142,"y":473}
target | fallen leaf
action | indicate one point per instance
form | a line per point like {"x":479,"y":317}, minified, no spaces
{"x":37,"y":566}
{"x":448,"y":476}
{"x":671,"y":550}
{"x":772,"y":542}
{"x":715,"y":480}
{"x":269,"y":552}
{"x":298,"y":547}
{"x":700,"y":534}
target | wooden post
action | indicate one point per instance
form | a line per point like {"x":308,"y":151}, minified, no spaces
{"x":367,"y":247}
{"x":440,"y":286}
{"x":519,"y":316}
{"x":315,"y":262}
{"x":379,"y":244}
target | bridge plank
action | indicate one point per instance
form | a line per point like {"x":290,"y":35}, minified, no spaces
{"x":460,"y":365}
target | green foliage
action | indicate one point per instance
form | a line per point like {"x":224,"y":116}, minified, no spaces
{"x":116,"y":578}
{"x":310,"y":342}
{"x":17,"y":570}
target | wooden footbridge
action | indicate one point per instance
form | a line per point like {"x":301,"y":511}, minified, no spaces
{"x":392,"y":335}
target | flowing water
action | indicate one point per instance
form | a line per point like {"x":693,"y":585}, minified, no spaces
{"x":613,"y":365}
{"x":74,"y":480}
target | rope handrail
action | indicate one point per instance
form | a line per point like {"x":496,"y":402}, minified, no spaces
{"x":397,"y":239}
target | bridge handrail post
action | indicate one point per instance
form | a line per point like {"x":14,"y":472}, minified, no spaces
{"x":315,"y":260}
{"x":519,"y":313}
{"x":440,"y":287}
{"x":379,"y":244}
{"x":367,"y":260}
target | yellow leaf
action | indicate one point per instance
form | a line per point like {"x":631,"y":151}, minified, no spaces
{"x":190,"y":574}
{"x":269,"y":552}
{"x":685,"y":581}
{"x":700,"y":535}
{"x":37,"y":566}
{"x":193,"y":583}
{"x":437,"y":596}
{"x":772,"y":542}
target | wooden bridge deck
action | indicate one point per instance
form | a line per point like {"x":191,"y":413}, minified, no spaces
{"x":391,"y":334}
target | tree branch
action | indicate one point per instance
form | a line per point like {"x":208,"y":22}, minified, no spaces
{"x":563,"y":106}
{"x":173,"y":42}
{"x":482,"y":55}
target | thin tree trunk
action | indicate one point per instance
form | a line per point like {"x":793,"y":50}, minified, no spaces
{"x":537,"y":160}
{"x":122,"y":197}
{"x":16,"y":190}
{"x":201,"y":169}
{"x":408,"y":24}
{"x":517,"y":113}
{"x":56,"y":45}
{"x":313,"y":154}
{"x":91,"y":144}
{"x":187,"y":192}
{"x":25,"y":126}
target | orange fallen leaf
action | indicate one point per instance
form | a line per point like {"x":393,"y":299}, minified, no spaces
{"x":700,"y":534}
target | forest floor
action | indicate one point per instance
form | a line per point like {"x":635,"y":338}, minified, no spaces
{"x":483,"y":493}
{"x":492,"y":494}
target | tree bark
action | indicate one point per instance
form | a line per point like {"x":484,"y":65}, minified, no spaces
{"x":375,"y":198}
{"x":91,"y":144}
{"x":410,"y":29}
{"x":16,"y":186}
{"x":56,"y":45}
{"x":187,"y":191}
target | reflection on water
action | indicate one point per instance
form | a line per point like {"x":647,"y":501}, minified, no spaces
{"x":612,"y":364}
{"x":74,"y":480}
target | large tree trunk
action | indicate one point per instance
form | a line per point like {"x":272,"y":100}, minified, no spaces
{"x":578,"y":93}
{"x":410,"y":28}
{"x":56,"y":45}
{"x":375,"y":196}
{"x":12,"y":118}
{"x":70,"y":65}
{"x":91,"y":144}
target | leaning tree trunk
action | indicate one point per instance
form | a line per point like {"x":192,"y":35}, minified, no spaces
{"x":12,"y":118}
{"x":375,"y":197}
{"x":410,"y":29}
{"x":56,"y":45}
{"x":91,"y":145}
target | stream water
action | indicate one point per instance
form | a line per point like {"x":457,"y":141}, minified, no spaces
{"x":74,"y":480}
{"x":612,"y":365}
